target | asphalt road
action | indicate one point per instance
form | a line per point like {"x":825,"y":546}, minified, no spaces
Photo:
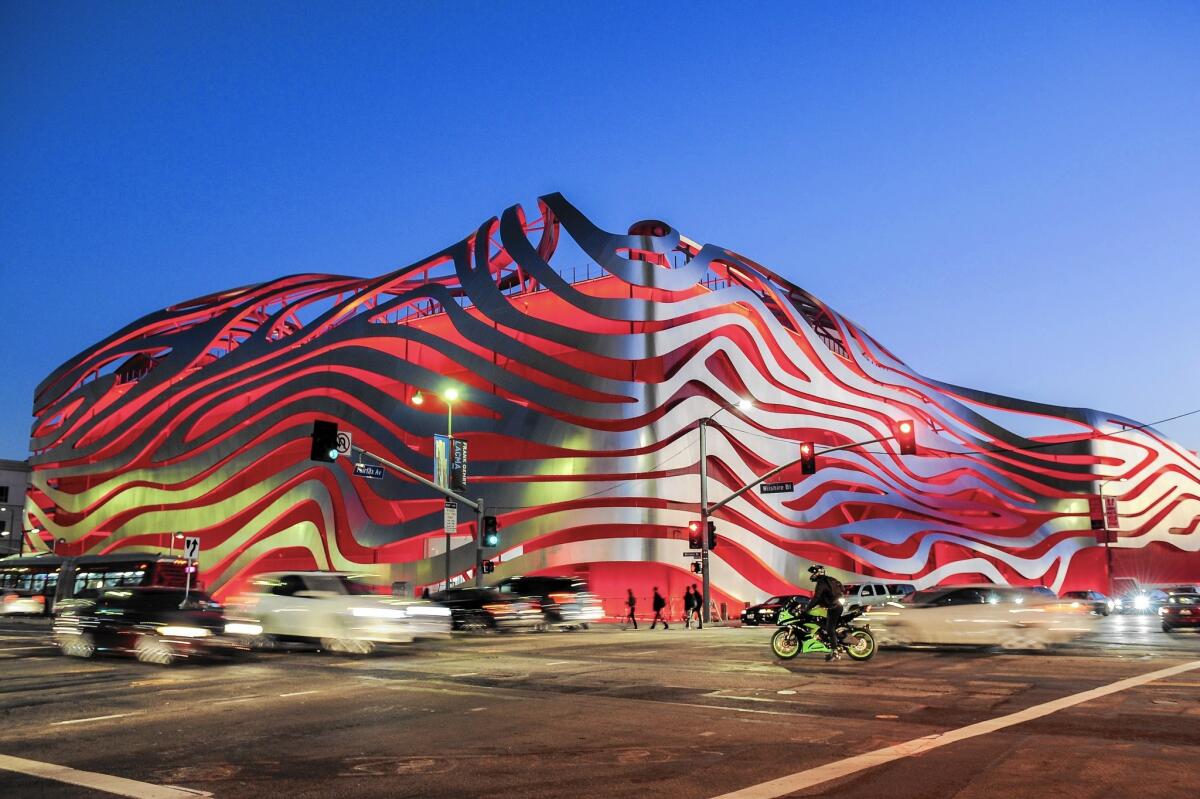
{"x":613,"y":713}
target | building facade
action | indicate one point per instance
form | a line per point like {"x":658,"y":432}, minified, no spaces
{"x":14,"y":480}
{"x":580,"y":389}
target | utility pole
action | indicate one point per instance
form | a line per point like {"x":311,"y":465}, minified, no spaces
{"x":704,"y":521}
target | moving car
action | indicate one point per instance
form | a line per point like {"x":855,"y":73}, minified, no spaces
{"x":979,"y":615}
{"x":867,"y":594}
{"x":481,"y":609}
{"x":335,"y":611}
{"x":157,"y":625}
{"x":767,"y":612}
{"x":565,"y":601}
{"x":1180,"y":610}
{"x":1096,"y":601}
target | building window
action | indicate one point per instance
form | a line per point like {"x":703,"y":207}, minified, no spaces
{"x":3,"y":493}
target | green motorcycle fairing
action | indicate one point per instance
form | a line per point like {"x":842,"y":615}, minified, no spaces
{"x":809,"y":630}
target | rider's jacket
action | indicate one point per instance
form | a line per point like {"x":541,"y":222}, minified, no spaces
{"x":824,"y":594}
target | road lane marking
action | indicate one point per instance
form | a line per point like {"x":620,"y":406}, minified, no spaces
{"x":736,"y":709}
{"x":237,"y":699}
{"x":558,"y":662}
{"x":808,"y":778}
{"x":300,"y":693}
{"x":18,"y":648}
{"x":98,"y":782}
{"x":96,"y":718}
{"x":466,"y":674}
{"x":718,"y":695}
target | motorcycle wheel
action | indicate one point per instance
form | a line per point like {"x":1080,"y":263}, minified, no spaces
{"x":860,"y":645}
{"x":785,"y":643}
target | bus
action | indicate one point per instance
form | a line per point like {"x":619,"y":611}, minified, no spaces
{"x":37,"y":584}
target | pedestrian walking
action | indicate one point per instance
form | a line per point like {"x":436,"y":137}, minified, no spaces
{"x":631,"y":603}
{"x":698,"y":606}
{"x":689,"y":605}
{"x":658,"y":603}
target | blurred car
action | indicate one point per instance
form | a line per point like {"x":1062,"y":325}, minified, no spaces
{"x":565,"y":601}
{"x":156,"y":625}
{"x":1180,"y":610}
{"x":767,"y":612}
{"x":979,"y":615}
{"x":480,"y":609}
{"x":1044,"y":591}
{"x":335,"y":611}
{"x":866,"y":594}
{"x":1141,"y":600}
{"x":1096,"y":601}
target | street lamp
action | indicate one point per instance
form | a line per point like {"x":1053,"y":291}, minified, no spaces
{"x":743,"y":405}
{"x":1104,"y":516}
{"x":449,"y":396}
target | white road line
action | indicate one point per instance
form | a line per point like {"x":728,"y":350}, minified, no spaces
{"x":98,"y":782}
{"x":18,"y":648}
{"x":803,"y":780}
{"x":558,"y":662}
{"x":300,"y":693}
{"x":719,"y":695}
{"x":738,"y":709}
{"x":465,"y":674}
{"x":96,"y":718}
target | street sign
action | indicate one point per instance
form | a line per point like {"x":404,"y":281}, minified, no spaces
{"x":690,"y":554}
{"x":344,"y":442}
{"x":776,"y":488}
{"x":450,"y":517}
{"x":191,"y":548}
{"x":369,"y":471}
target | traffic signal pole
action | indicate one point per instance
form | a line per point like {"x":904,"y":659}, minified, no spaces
{"x":704,"y":521}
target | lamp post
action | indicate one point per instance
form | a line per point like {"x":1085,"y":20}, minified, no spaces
{"x":1104,"y":516}
{"x":449,"y":396}
{"x":743,"y":405}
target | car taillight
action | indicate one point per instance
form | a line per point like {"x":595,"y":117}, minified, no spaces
{"x":496,"y":608}
{"x":562,"y":598}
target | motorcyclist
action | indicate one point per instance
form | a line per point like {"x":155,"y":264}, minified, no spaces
{"x":826,"y":594}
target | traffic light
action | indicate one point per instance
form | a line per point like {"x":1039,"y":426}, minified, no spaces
{"x":906,"y":436}
{"x":491,"y":532}
{"x":695,"y":540}
{"x":808,"y":458}
{"x":487,"y":567}
{"x":324,"y":441}
{"x":697,"y":568}
{"x":712,"y":535}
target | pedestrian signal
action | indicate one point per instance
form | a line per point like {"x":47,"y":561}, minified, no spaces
{"x":808,"y":458}
{"x":697,"y":568}
{"x":487,"y":567}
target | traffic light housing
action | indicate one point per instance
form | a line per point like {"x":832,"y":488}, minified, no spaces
{"x":695,"y":540}
{"x":808,"y":458}
{"x":324,"y":441}
{"x":712,"y":535}
{"x":487,"y":567}
{"x":906,"y":436}
{"x":491,"y":532}
{"x":697,"y":568}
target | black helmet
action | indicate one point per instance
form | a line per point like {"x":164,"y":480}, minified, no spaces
{"x":814,"y":571}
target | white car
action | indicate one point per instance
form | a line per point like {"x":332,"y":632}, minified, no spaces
{"x":981,"y":615}
{"x":336,"y":611}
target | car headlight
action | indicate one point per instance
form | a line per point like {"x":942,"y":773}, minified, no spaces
{"x":429,"y":610}
{"x":243,"y":628}
{"x":182,"y":631}
{"x":1141,"y":602}
{"x":379,"y":613}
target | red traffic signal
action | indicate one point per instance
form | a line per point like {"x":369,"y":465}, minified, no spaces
{"x":808,"y":458}
{"x":906,"y":436}
{"x":695,"y":540}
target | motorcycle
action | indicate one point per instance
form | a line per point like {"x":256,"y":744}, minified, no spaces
{"x":801,"y":632}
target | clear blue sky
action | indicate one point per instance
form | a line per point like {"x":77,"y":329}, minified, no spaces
{"x":1005,"y":194}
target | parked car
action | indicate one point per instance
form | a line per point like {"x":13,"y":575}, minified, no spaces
{"x":982,"y":615}
{"x":566,"y":602}
{"x":1180,"y":610}
{"x":156,"y":625}
{"x":1096,"y":601}
{"x":479,"y":609}
{"x":865,"y":594}
{"x":336,"y":611}
{"x":767,"y":612}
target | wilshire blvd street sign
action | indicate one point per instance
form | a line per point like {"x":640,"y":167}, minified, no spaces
{"x":776,"y":488}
